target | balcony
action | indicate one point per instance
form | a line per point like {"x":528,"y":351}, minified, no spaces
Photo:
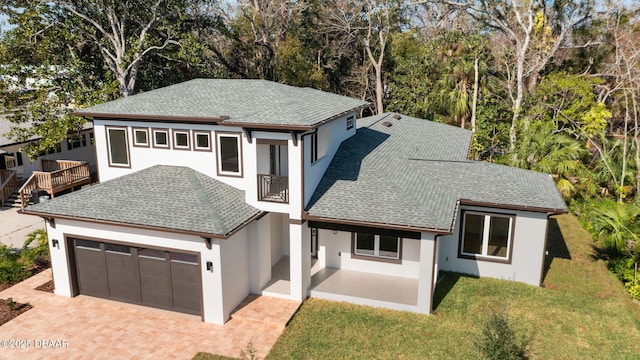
{"x":273,"y":188}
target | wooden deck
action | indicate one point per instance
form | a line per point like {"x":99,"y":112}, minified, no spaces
{"x":58,"y":176}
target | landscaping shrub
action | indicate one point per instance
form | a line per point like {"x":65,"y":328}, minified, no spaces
{"x":17,"y":265}
{"x":616,"y":229}
{"x":499,"y":340}
{"x":12,"y":268}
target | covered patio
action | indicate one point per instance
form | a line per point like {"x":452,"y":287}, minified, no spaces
{"x":392,"y":292}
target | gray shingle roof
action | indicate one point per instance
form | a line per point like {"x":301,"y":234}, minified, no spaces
{"x":167,"y":197}
{"x":413,"y":174}
{"x":6,"y":125}
{"x":242,"y":101}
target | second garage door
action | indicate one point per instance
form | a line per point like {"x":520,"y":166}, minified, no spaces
{"x":158,"y":278}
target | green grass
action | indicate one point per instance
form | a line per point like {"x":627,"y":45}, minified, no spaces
{"x":582,"y":312}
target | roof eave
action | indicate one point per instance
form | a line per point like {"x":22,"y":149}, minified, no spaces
{"x":308,"y":217}
{"x":45,"y":216}
{"x":514,"y":207}
{"x":143,"y":117}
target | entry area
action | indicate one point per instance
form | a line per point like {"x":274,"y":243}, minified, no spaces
{"x":162,"y":279}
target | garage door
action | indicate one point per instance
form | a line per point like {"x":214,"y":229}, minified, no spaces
{"x":158,"y":278}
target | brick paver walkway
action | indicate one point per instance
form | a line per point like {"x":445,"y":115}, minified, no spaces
{"x":90,"y":328}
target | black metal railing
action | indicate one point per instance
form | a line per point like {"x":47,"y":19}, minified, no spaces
{"x":273,"y":188}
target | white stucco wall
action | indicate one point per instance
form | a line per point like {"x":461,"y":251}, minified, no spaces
{"x":144,"y":157}
{"x":334,"y":251}
{"x":234,"y":256}
{"x":221,"y":290}
{"x":334,"y":133}
{"x":527,"y":256}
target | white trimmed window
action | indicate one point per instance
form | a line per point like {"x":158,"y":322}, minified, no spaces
{"x":229,"y":154}
{"x":118,"y":147}
{"x":486,"y":235}
{"x":181,"y":140}
{"x":201,"y":141}
{"x":377,"y":246}
{"x":141,"y":137}
{"x":160,"y":138}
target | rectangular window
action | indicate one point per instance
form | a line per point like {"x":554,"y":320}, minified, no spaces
{"x":75,"y":142}
{"x":118,"y":147}
{"x":314,"y":147}
{"x":350,"y":121}
{"x":160,"y":138}
{"x":376,"y":246}
{"x":485,"y":235}
{"x":92,"y":138}
{"x":201,"y":141}
{"x":229,"y":154}
{"x":181,"y":140}
{"x":141,"y":137}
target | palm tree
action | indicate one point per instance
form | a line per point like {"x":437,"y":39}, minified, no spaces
{"x":616,"y":226}
{"x":543,"y":150}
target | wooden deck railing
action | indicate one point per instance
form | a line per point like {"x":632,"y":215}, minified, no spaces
{"x":273,"y":188}
{"x":68,"y":175}
{"x":8,"y":184}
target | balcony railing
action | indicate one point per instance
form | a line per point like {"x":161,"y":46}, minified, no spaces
{"x":58,"y":176}
{"x":274,"y":188}
{"x":8,"y":184}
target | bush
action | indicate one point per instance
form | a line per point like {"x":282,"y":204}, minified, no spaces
{"x":17,"y":265}
{"x":12,"y":268}
{"x":499,"y":341}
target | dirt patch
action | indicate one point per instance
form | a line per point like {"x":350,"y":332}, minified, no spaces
{"x":9,"y":309}
{"x":46,"y":287}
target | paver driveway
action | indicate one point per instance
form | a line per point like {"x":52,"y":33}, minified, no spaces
{"x":92,"y":328}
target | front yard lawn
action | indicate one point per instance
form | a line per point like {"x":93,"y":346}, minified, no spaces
{"x":582,"y":312}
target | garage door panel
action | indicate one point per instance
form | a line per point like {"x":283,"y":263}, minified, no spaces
{"x":186,"y":287}
{"x":150,"y":277}
{"x":155,"y":282}
{"x":92,"y":269}
{"x":123,"y":279}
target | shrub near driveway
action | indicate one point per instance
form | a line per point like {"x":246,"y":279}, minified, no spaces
{"x":17,"y":265}
{"x":583,"y":312}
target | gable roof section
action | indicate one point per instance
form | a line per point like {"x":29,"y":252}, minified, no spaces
{"x":230,"y":101}
{"x":413,"y":174}
{"x":166,"y":198}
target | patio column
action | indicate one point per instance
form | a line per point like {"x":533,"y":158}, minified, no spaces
{"x":427,"y":269}
{"x":259,"y":254}
{"x":300,"y":259}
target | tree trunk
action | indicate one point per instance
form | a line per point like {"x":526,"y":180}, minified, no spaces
{"x":474,"y":101}
{"x":379,"y":90}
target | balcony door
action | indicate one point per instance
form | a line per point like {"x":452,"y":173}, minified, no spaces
{"x":278,"y":160}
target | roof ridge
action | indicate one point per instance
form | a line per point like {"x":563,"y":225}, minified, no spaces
{"x":206,"y":201}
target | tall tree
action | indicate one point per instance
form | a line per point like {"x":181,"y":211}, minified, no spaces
{"x":124,"y":32}
{"x":536,"y":29}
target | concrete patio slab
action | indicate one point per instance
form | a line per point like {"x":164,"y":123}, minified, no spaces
{"x":90,"y":328}
{"x":14,"y":227}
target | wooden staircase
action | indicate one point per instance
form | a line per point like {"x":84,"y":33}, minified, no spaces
{"x":8,"y":185}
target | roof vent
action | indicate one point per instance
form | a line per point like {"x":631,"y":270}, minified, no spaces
{"x":386,"y":124}
{"x":397,"y":117}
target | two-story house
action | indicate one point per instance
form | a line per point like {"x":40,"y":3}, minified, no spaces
{"x":215,"y":189}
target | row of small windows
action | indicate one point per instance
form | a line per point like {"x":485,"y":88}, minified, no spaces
{"x":180,"y":139}
{"x":228,"y":152}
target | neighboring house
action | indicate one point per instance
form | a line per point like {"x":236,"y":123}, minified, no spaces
{"x":81,"y":148}
{"x":215,"y":189}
